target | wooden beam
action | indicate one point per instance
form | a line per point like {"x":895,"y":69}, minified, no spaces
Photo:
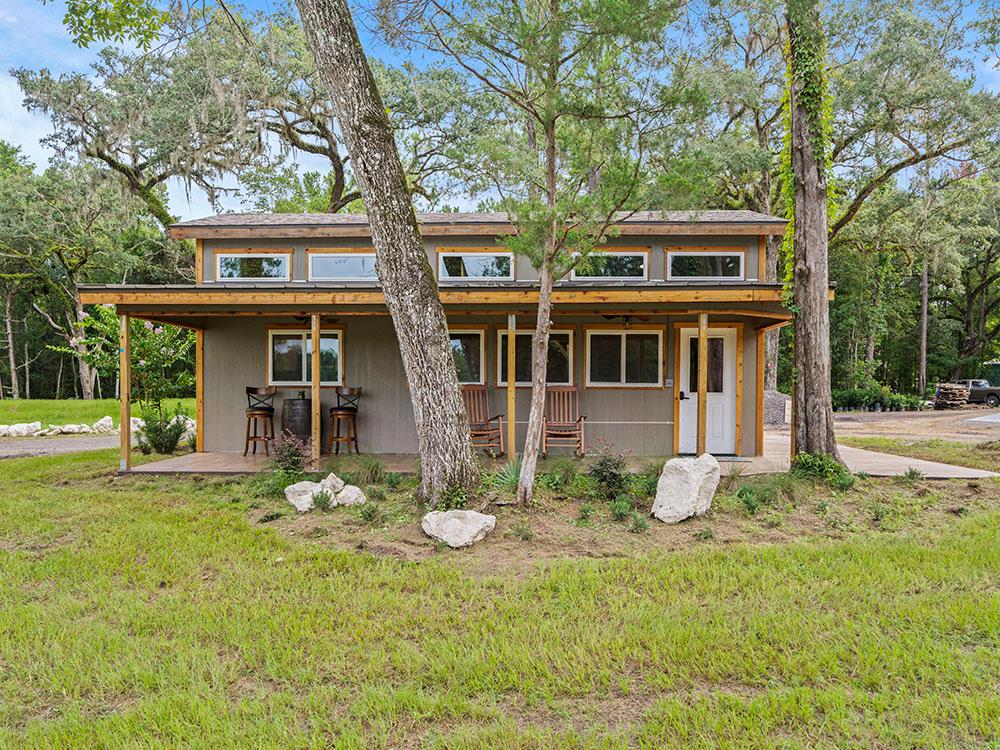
{"x":317,"y":424}
{"x":125,"y":393}
{"x":199,"y":389}
{"x":511,"y":386}
{"x":761,"y":350}
{"x":762,"y":257}
{"x":702,"y":381}
{"x":739,"y":390}
{"x":257,"y":297}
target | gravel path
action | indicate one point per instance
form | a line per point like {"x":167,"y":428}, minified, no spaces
{"x":51,"y":446}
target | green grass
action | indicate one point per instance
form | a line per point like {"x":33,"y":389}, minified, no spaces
{"x":144,"y":612}
{"x":70,"y":411}
{"x":984,"y":456}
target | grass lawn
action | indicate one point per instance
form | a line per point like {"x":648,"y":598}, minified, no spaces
{"x":984,"y":455}
{"x":150,"y":611}
{"x":71,"y":411}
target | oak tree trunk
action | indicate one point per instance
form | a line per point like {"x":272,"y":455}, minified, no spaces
{"x":813,"y":399}
{"x":924,"y":304}
{"x":446,"y":455}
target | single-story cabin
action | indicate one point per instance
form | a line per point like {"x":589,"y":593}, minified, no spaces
{"x":626,"y":331}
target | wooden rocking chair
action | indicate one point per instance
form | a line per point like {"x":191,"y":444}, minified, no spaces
{"x":486,"y":429}
{"x":563,"y":421}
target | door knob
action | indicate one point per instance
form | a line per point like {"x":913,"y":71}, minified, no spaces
{"x":682,"y":397}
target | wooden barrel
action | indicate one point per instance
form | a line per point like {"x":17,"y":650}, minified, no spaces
{"x":296,"y":418}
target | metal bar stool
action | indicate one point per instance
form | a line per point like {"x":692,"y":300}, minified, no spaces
{"x":260,"y":407}
{"x":346,"y":411}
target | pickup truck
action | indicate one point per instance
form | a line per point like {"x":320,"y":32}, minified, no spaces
{"x":981,"y":392}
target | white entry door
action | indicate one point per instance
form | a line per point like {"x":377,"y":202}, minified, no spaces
{"x":720,"y":410}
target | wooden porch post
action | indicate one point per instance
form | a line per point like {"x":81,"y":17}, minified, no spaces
{"x":702,"y":380}
{"x":125,"y":393}
{"x":317,"y":424}
{"x":511,"y":386}
{"x":199,"y":389}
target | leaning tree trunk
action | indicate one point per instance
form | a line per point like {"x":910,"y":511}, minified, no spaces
{"x":813,"y":399}
{"x":446,"y":455}
{"x":8,"y":319}
{"x":539,"y":375}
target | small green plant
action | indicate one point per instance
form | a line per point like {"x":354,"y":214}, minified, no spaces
{"x":270,"y":516}
{"x":822,"y":467}
{"x":272,"y":483}
{"x":290,"y":452}
{"x":452,"y":498}
{"x":505,"y":478}
{"x":609,"y":472}
{"x":371,"y":514}
{"x":644,"y":485}
{"x":911,"y":476}
{"x":747,"y":496}
{"x":192,"y":442}
{"x":323,"y":500}
{"x":622,"y":506}
{"x":392,"y":480}
{"x":560,"y":475}
{"x":370,"y":470}
{"x":880,"y":513}
{"x":704,"y":535}
{"x":637,"y":523}
{"x":376,"y":494}
{"x":523,"y":531}
{"x":586,"y":513}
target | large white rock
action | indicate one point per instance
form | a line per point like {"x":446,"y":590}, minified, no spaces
{"x":333,"y":484}
{"x":24,"y":429}
{"x":301,"y":494}
{"x":4,"y":430}
{"x":686,"y":488}
{"x":137,"y":423}
{"x":104,"y":424}
{"x":349,"y":495}
{"x":457,"y":528}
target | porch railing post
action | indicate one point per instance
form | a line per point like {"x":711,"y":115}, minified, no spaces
{"x":702,"y":380}
{"x":316,"y":406}
{"x":125,"y":395}
{"x":199,"y":389}
{"x":511,"y":386}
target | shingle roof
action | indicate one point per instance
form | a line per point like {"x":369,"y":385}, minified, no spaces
{"x":457,"y":219}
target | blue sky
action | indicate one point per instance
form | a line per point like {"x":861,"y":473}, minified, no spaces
{"x":32,"y":35}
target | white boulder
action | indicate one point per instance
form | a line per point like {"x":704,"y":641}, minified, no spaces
{"x":104,"y":424}
{"x":457,"y":528}
{"x":349,"y":495}
{"x":332,"y":484}
{"x":4,"y":430}
{"x":301,"y":494}
{"x":686,"y":488}
{"x":137,"y":423}
{"x":24,"y":429}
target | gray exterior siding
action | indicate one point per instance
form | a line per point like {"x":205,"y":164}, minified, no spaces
{"x":640,"y":421}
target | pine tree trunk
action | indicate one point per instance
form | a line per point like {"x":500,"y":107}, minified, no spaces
{"x":539,"y":374}
{"x":446,"y":455}
{"x":813,"y":399}
{"x":8,"y":320}
{"x":924,"y":304}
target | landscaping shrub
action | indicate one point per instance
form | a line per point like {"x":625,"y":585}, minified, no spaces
{"x":451,"y":498}
{"x":370,"y":470}
{"x":392,"y":480}
{"x":290,"y":452}
{"x":161,"y":432}
{"x":748,"y":499}
{"x":822,"y":467}
{"x":505,"y":478}
{"x":272,"y":483}
{"x":585,"y":513}
{"x":609,"y":472}
{"x":644,"y":485}
{"x":523,"y":531}
{"x":560,"y":474}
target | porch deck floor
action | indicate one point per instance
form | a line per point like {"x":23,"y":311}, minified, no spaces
{"x":774,"y":460}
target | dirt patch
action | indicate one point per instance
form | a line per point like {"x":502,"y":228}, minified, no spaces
{"x":944,"y":425}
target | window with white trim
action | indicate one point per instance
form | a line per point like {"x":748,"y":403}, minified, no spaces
{"x":342,"y":266}
{"x":701,"y":266}
{"x":289,"y":359}
{"x":468,"y":348}
{"x":558,"y":371}
{"x":261,"y":266}
{"x":620,"y":265}
{"x":465,"y":265}
{"x":625,"y":358}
